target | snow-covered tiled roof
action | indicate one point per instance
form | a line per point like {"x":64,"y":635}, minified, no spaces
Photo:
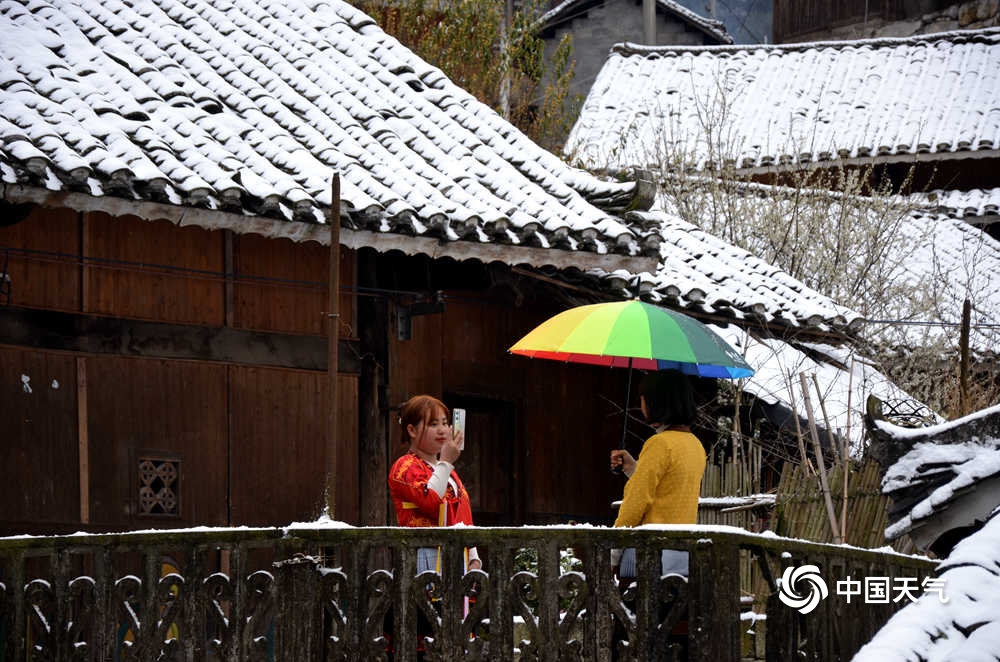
{"x":960,"y":623}
{"x":699,"y":271}
{"x":246,"y":108}
{"x":569,"y":9}
{"x":893,"y":99}
{"x":978,"y":206}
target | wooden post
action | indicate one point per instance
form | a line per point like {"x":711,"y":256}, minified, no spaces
{"x":333,"y":334}
{"x":834,"y":528}
{"x":299,"y":626}
{"x":83,"y":438}
{"x":649,"y":22}
{"x":963,"y":366}
{"x":714,"y":594}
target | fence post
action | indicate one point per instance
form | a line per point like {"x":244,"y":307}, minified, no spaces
{"x":299,"y":626}
{"x":714,"y":613}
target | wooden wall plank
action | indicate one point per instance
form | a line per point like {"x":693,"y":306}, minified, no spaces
{"x":49,"y":277}
{"x":83,"y":438}
{"x":567,"y":454}
{"x":278,"y":445}
{"x":138,"y":289}
{"x":291,"y":293}
{"x":375,"y":508}
{"x":38,"y":441}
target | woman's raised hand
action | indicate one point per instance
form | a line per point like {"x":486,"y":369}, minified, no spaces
{"x":453,"y":447}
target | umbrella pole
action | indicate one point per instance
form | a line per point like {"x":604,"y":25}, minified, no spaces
{"x":628,"y":394}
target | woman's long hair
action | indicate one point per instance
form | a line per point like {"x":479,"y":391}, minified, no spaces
{"x":669,"y":398}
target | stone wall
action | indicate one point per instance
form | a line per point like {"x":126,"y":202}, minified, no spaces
{"x":595,"y":31}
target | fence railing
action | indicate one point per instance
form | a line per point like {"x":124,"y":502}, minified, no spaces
{"x":322,"y":594}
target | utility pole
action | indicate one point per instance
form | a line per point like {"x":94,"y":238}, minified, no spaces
{"x":333,"y":345}
{"x":508,"y":20}
{"x":649,"y":21}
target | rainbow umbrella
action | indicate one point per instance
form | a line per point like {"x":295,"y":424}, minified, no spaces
{"x":633,"y":334}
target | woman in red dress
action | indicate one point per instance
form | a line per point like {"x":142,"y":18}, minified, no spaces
{"x":425,"y":487}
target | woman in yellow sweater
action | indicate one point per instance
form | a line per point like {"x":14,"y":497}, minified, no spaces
{"x":664,"y":483}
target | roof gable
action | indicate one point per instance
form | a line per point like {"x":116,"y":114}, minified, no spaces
{"x":891,"y":99}
{"x":930,"y":468}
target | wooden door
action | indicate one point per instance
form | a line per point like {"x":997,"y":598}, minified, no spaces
{"x":488,"y":465}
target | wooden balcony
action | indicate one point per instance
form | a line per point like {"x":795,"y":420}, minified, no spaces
{"x":354,"y":594}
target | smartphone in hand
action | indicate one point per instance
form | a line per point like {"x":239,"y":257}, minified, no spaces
{"x":458,"y":423}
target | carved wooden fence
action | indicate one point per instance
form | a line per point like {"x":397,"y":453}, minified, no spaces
{"x":323,"y":594}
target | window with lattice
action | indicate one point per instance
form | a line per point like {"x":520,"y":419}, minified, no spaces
{"x":159,"y":486}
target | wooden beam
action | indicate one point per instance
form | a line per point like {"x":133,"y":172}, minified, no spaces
{"x":89,"y":334}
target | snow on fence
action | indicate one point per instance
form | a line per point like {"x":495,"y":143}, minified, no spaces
{"x":325,"y":593}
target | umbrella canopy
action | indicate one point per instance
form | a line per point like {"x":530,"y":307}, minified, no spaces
{"x":633,"y":334}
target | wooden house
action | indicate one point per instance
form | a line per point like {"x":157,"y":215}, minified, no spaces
{"x":817,"y":20}
{"x":596,"y":25}
{"x":166,"y":175}
{"x":919,"y":111}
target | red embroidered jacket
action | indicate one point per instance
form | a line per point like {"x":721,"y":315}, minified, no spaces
{"x":416,"y":505}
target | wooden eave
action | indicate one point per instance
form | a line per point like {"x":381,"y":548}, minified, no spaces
{"x":912,"y":158}
{"x":298,"y":231}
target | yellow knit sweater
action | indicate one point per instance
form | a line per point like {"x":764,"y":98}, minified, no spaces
{"x":665,"y":485}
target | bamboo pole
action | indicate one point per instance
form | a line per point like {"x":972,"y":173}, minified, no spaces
{"x":826,"y":420}
{"x":847,"y":449}
{"x":798,"y":428}
{"x":333,"y":345}
{"x":835,"y":529}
